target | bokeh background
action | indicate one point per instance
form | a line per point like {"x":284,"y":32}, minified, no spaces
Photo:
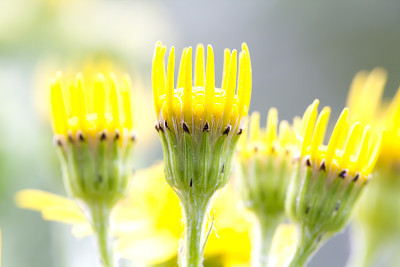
{"x":301,"y":50}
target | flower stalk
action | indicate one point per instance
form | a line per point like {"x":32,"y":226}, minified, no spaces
{"x":94,"y":148}
{"x":263,"y":236}
{"x":199,"y":126}
{"x":100,"y":215}
{"x":265,"y":165}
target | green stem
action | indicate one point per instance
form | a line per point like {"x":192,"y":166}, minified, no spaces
{"x":100,"y":223}
{"x":309,"y":243}
{"x":195,"y":210}
{"x":263,"y":240}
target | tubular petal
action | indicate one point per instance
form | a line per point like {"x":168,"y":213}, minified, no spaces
{"x":309,"y":123}
{"x":199,"y":71}
{"x":170,"y":83}
{"x":255,"y":126}
{"x":114,"y":102}
{"x":320,"y":130}
{"x":336,"y":135}
{"x":351,"y":142}
{"x":187,"y":89}
{"x":227,"y":56}
{"x":210,"y":83}
{"x":181,"y":73}
{"x":230,"y":87}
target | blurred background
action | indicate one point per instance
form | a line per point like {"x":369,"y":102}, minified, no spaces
{"x":300,"y":51}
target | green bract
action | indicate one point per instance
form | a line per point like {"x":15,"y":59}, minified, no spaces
{"x":196,"y":166}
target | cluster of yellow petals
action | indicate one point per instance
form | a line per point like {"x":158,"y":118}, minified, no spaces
{"x":198,"y":100}
{"x":351,"y":147}
{"x":91,"y":109}
{"x":366,"y":105}
{"x":269,"y":140}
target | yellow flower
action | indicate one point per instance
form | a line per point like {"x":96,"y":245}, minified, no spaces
{"x":329,"y":178}
{"x":147,"y":223}
{"x":377,"y":217}
{"x":199,"y":126}
{"x":263,"y":171}
{"x":366,"y":105}
{"x":94,"y":138}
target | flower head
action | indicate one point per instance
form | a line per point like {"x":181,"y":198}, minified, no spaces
{"x":196,"y":121}
{"x":329,"y":178}
{"x":264,"y":168}
{"x":265,"y":162}
{"x":94,"y":139}
{"x":93,"y":127}
{"x":377,"y":217}
{"x":199,"y":126}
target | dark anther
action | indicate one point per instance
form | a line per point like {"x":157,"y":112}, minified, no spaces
{"x":273,"y":149}
{"x":166,"y":125}
{"x":206,"y":127}
{"x":308,"y":209}
{"x":57,"y":141}
{"x":343,"y":174}
{"x":103,"y":136}
{"x":356,"y":177}
{"x":255,"y":149}
{"x":70,"y":137}
{"x":308,"y":162}
{"x":160,"y":127}
{"x":240,"y":132}
{"x":185,"y":128}
{"x":323,"y":166}
{"x":100,"y":178}
{"x":116,"y":135}
{"x":223,"y":167}
{"x":133,"y":137}
{"x":337,"y":206}
{"x":81,"y":137}
{"x":287,"y":151}
{"x":156,"y":126}
{"x":228,"y":129}
{"x":191,"y":182}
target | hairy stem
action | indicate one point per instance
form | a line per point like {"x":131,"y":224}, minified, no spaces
{"x":308,"y":245}
{"x":263,"y":239}
{"x":100,"y":223}
{"x":195,"y":210}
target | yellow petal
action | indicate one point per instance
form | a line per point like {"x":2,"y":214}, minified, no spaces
{"x":52,"y":207}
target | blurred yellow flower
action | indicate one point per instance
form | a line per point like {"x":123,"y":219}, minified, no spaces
{"x":367,"y":106}
{"x":148,"y":223}
{"x":377,"y":217}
